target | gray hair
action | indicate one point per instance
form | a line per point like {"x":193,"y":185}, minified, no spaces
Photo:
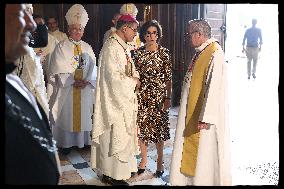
{"x":201,"y":26}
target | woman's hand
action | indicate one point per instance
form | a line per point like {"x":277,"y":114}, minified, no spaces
{"x":167,"y":104}
{"x":138,"y":83}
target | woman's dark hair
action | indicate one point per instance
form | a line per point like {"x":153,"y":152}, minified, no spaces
{"x":146,"y":25}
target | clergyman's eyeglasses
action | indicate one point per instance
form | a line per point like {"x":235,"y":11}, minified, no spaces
{"x":134,"y":30}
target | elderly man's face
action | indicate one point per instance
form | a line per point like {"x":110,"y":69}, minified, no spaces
{"x":52,"y":24}
{"x":193,"y":36}
{"x":76,"y":32}
{"x":18,"y":22}
{"x":130,"y":32}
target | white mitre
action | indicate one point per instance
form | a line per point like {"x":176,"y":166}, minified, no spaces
{"x":129,"y":8}
{"x":77,"y":15}
{"x":29,"y":8}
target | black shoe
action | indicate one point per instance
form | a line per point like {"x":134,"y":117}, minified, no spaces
{"x":119,"y":182}
{"x":158,"y":174}
{"x":113,"y":182}
{"x":253,"y":75}
{"x":107,"y":179}
{"x":140,"y":171}
{"x":248,"y":77}
{"x":133,"y":173}
{"x":65,"y":151}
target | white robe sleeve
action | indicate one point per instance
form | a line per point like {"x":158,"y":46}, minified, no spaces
{"x":116,"y":78}
{"x":92,"y":72}
{"x":210,"y":110}
{"x":65,"y":80}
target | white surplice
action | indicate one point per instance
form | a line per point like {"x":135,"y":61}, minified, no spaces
{"x":46,"y":52}
{"x":60,"y":36}
{"x":60,"y":91}
{"x":213,"y":165}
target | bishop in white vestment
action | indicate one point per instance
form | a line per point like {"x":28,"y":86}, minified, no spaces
{"x":114,"y":135}
{"x":72,"y":79}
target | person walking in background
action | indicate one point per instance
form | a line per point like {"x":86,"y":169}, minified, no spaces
{"x":72,"y":79}
{"x":30,"y":152}
{"x":114,"y":135}
{"x":253,"y":38}
{"x":201,"y":150}
{"x":153,"y":62}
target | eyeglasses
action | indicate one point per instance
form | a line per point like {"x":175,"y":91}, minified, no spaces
{"x":148,"y":34}
{"x":134,"y":30}
{"x":190,"y":33}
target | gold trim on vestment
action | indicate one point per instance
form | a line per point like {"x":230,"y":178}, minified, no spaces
{"x":195,"y":103}
{"x":77,"y":94}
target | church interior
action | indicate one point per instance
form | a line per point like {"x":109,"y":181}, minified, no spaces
{"x":76,"y":165}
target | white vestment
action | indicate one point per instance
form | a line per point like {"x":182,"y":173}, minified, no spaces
{"x":60,"y":85}
{"x":114,"y":135}
{"x":31,"y":73}
{"x":213,"y":166}
{"x":46,"y":52}
{"x":60,"y":36}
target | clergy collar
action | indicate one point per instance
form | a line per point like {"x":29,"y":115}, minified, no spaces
{"x":9,"y":67}
{"x":75,"y":42}
{"x":205,"y":44}
{"x":120,"y":41}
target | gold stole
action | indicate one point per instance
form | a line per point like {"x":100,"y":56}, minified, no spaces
{"x":77,"y":94}
{"x":138,"y":42}
{"x":194,"y":105}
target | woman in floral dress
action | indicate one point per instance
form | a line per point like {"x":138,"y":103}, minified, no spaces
{"x":154,"y":65}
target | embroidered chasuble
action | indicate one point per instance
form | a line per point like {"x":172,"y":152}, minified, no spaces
{"x":76,"y":91}
{"x":194,"y":105}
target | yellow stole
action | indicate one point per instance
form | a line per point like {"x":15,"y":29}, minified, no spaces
{"x":194,"y":105}
{"x":77,"y":94}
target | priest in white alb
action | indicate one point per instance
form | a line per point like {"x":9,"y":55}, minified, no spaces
{"x":71,"y":84}
{"x":201,"y":151}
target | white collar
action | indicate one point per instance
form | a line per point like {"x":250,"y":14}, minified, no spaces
{"x":75,"y":42}
{"x":205,"y":44}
